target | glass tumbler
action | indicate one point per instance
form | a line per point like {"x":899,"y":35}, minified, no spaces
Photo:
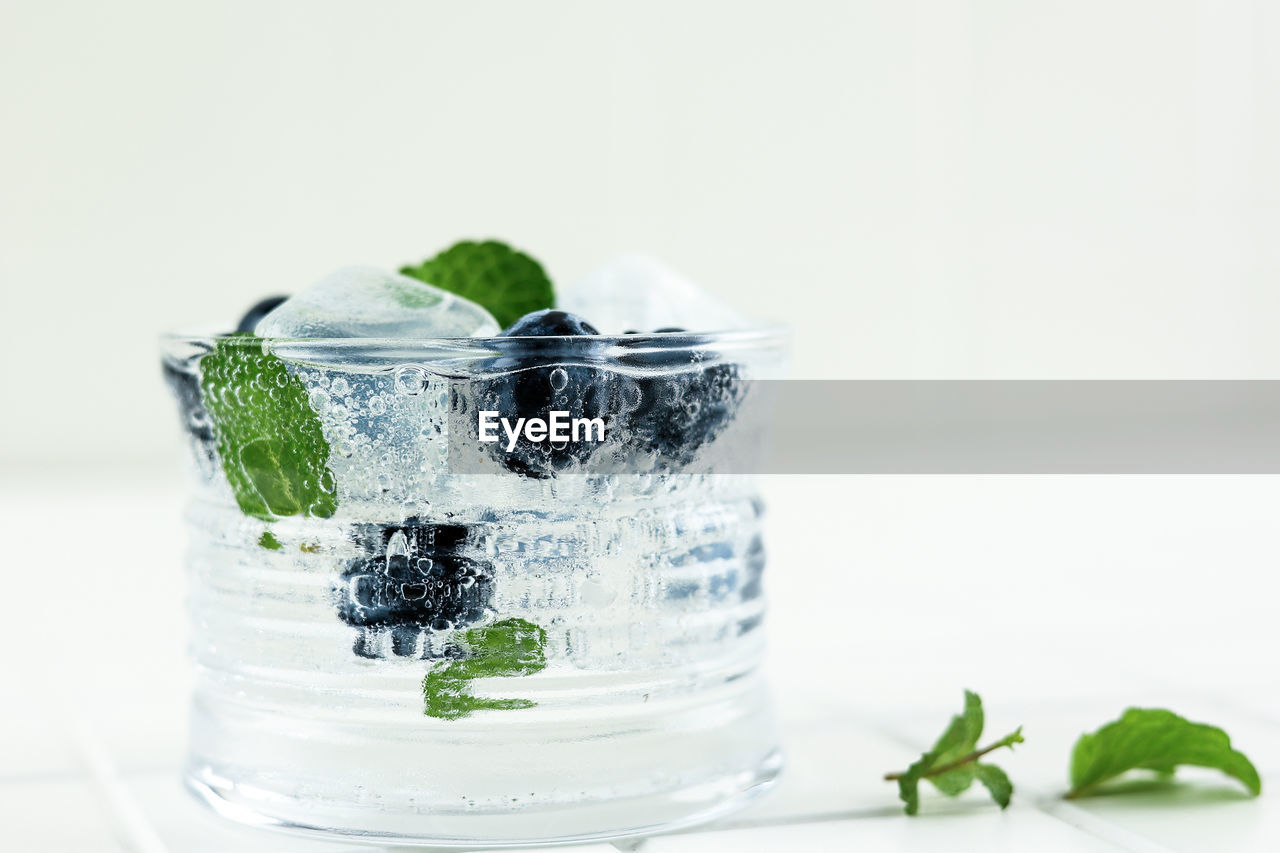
{"x":406,"y":633}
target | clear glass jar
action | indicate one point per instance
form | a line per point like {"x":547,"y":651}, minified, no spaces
{"x":393,"y":643}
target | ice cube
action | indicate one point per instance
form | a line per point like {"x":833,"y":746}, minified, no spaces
{"x":640,"y":294}
{"x":366,"y":302}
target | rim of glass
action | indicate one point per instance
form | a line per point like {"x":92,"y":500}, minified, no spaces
{"x":461,"y":357}
{"x":766,"y":337}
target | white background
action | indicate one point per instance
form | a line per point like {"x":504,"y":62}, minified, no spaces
{"x":919,"y":189}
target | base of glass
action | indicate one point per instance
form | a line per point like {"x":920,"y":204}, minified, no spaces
{"x":652,"y":814}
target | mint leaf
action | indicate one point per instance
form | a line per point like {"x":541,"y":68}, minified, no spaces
{"x":959,"y":739}
{"x":270,"y":442}
{"x":954,"y":782}
{"x":997,"y":783}
{"x":909,"y":782}
{"x":1158,"y":740}
{"x":952,"y":764}
{"x":505,"y":649}
{"x":963,"y":732}
{"x":269,"y":541}
{"x":506,"y":282}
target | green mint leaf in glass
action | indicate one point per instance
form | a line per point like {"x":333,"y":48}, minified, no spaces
{"x":1157,"y":740}
{"x":504,"y":281}
{"x":952,"y":765}
{"x":269,"y":541}
{"x":273,"y":450}
{"x":505,"y":649}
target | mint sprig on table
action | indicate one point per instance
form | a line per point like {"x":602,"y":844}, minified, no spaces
{"x":1142,"y":739}
{"x":505,"y":282}
{"x":269,"y":439}
{"x":1158,"y":740}
{"x":953,"y":763}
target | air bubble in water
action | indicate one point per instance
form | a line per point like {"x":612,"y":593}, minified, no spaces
{"x":340,"y":387}
{"x":411,"y":380}
{"x":559,"y":378}
{"x":397,"y":546}
{"x":630,"y":396}
{"x":319,"y":399}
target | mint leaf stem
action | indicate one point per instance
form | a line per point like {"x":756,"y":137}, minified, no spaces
{"x":1084,"y":791}
{"x":1007,"y":741}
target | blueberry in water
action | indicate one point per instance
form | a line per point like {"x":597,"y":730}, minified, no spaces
{"x":536,"y":377}
{"x":548,"y":323}
{"x":413,"y":579}
{"x":753,"y":566}
{"x":679,"y":413}
{"x":684,"y":403}
{"x":250,"y":320}
{"x":184,"y":383}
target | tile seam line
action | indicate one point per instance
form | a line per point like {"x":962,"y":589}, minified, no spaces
{"x":1085,"y":821}
{"x":133,"y":829}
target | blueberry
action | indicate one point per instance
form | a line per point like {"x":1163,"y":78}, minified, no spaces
{"x":663,"y":330}
{"x":184,"y":382}
{"x":547,"y":323}
{"x":683,"y":402}
{"x":679,"y":413}
{"x":536,"y":377}
{"x":412,"y":579}
{"x":753,"y":565}
{"x":254,"y":315}
{"x":722,"y":578}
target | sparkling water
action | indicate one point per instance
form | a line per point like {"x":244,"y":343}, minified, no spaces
{"x":461,"y":657}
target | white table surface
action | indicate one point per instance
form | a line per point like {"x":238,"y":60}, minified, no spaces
{"x":1061,"y":600}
